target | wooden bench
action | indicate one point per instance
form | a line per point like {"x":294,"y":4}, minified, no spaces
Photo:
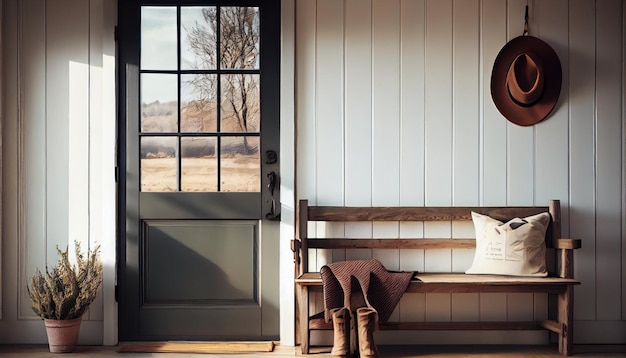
{"x":558,"y":285}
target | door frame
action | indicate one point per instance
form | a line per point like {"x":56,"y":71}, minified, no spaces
{"x":128,"y":91}
{"x":288,"y":189}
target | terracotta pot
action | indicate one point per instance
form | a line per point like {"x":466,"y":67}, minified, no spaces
{"x":62,"y":334}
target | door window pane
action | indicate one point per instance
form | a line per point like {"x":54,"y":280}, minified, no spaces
{"x":158,"y":38}
{"x":240,"y":165}
{"x":198,"y":39}
{"x":159,"y":104}
{"x":199,"y":107}
{"x":239,"y":37}
{"x":199,"y":164}
{"x":240,"y":103}
{"x":159,"y":164}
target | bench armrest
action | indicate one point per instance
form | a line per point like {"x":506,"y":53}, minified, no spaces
{"x":568,"y":244}
{"x":566,"y":256}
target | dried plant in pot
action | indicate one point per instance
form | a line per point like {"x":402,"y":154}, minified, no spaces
{"x":63,"y":293}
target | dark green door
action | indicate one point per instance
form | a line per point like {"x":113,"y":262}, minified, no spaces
{"x":199,"y":134}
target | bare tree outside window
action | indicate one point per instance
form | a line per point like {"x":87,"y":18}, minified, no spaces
{"x":238,"y":50}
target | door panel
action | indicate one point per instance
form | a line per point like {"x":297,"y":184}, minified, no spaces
{"x":201,"y":252}
{"x":198,"y":272}
{"x":199,"y":137}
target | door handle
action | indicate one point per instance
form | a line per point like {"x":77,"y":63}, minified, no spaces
{"x":273,"y":214}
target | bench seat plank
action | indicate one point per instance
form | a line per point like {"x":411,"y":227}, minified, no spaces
{"x":490,"y":279}
{"x":464,"y":283}
{"x":315,"y":279}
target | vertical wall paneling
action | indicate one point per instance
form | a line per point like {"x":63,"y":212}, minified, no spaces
{"x":465,"y":97}
{"x":438,"y":120}
{"x":412,"y":102}
{"x":493,"y":134}
{"x":386,"y":118}
{"x":97,"y":128}
{"x":552,"y":134}
{"x":465,"y":307}
{"x":78,"y":134}
{"x":465,"y":137}
{"x":358,"y":96}
{"x":305,"y":97}
{"x":438,"y":80}
{"x":520,"y":140}
{"x":493,"y":137}
{"x":58,"y":35}
{"x":329,"y":102}
{"x":329,"y":125}
{"x":438,"y":114}
{"x":551,"y":143}
{"x":609,"y":97}
{"x":101,"y":114}
{"x":31,"y":134}
{"x":521,"y":156}
{"x":581,"y":148}
{"x":385,"y":101}
{"x":107,"y":9}
{"x":358,"y":116}
{"x":412,"y":304}
{"x":305,"y":104}
{"x":493,"y":307}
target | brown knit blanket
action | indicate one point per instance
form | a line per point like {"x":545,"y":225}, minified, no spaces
{"x":360,"y":283}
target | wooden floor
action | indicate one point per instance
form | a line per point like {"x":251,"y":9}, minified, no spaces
{"x":453,"y":351}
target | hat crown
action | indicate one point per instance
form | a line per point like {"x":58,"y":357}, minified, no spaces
{"x":525,"y":79}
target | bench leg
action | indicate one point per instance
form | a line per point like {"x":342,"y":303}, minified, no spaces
{"x":303,"y":317}
{"x":566,"y":318}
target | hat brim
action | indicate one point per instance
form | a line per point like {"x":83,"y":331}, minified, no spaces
{"x":510,"y":109}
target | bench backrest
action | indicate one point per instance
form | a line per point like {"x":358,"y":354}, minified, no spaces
{"x":345,"y":214}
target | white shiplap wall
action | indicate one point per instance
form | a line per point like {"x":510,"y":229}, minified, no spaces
{"x":58,"y":167}
{"x":393,"y":107}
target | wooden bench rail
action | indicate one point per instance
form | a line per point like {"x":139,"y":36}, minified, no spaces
{"x":318,"y":323}
{"x":415,"y":213}
{"x":392,"y":244}
{"x":559,"y":258}
{"x":412,"y":243}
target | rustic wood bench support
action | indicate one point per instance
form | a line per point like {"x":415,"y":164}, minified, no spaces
{"x":559,"y":257}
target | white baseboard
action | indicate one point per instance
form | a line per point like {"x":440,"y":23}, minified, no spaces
{"x":600,"y":332}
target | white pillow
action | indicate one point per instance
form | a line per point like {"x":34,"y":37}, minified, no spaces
{"x":514,"y":248}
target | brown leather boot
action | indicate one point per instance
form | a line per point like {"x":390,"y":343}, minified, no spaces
{"x":367,"y":319}
{"x":341,"y":332}
{"x":354,"y":342}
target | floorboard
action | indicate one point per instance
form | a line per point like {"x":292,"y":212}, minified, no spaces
{"x":425,"y":351}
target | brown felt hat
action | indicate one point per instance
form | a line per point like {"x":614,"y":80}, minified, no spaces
{"x":526,"y":80}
